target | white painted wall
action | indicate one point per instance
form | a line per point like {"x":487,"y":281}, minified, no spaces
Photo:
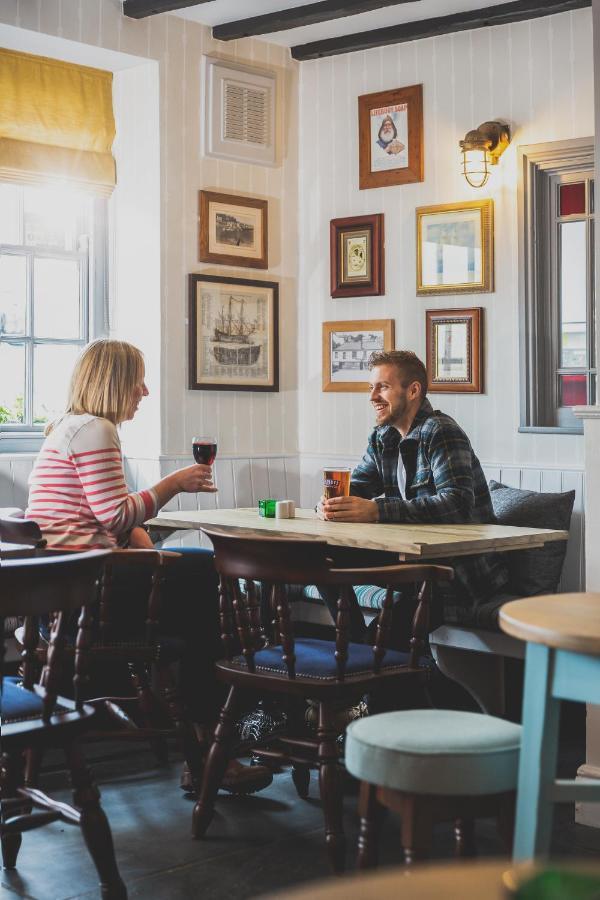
{"x":536,"y":75}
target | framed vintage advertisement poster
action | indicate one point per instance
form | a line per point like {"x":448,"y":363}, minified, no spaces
{"x":232,"y":230}
{"x":455,"y":350}
{"x":347,"y":347}
{"x":455,"y":248}
{"x":356,"y":256}
{"x":390,"y":137}
{"x":234,"y":340}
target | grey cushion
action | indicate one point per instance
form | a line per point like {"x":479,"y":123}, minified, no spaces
{"x":533,"y":571}
{"x":434,"y":751}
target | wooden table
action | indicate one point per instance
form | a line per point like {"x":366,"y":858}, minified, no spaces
{"x":16,"y":551}
{"x":562,"y":662}
{"x":409,"y":541}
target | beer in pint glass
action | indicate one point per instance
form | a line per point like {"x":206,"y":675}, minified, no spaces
{"x":336,"y":483}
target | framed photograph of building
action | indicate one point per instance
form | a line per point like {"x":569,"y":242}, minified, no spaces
{"x":233,"y":230}
{"x":455,"y":248}
{"x":390,"y":137}
{"x":233,"y":334}
{"x":356,"y":256}
{"x":455,"y":350}
{"x":347,"y":347}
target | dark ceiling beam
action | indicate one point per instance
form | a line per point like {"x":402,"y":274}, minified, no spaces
{"x":311,"y":14}
{"x":139,"y":9}
{"x":502,"y":14}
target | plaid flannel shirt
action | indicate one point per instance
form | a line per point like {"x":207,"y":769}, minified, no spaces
{"x":444,"y":484}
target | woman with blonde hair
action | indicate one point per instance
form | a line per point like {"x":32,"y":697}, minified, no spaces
{"x":79,"y":498}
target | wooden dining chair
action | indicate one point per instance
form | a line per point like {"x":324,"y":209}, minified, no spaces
{"x":35,"y":717}
{"x":333,"y":673}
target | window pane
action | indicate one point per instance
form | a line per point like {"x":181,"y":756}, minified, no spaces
{"x":52,"y":217}
{"x":52,"y":367}
{"x":9,"y":214}
{"x":573,"y":287}
{"x":572,"y":390}
{"x":572,"y":198}
{"x":12,"y":382}
{"x":13,"y":293}
{"x":56,"y":298}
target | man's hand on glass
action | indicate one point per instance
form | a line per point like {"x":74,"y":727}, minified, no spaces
{"x":348,"y":509}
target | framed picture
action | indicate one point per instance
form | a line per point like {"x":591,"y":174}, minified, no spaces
{"x":232,"y":230}
{"x":455,"y":248}
{"x":390,"y":137}
{"x":347,"y":347}
{"x":356,"y":256}
{"x":234,"y":338}
{"x":455,"y":350}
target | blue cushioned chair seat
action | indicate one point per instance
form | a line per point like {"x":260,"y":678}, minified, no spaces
{"x":369,"y":596}
{"x":435,"y":751}
{"x":315,"y":659}
{"x":18,"y":703}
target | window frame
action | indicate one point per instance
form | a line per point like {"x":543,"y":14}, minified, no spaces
{"x":26,"y":438}
{"x":539,"y":167}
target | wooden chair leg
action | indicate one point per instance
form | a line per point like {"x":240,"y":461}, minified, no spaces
{"x":417,"y":827}
{"x":192,"y":749}
{"x":370,"y":813}
{"x":506,"y":819}
{"x":301,"y":779}
{"x":94,"y":826}
{"x":33,"y":763}
{"x":10,"y":778}
{"x":215,"y":766}
{"x":147,"y":706}
{"x":464,"y":838}
{"x":331,"y":788}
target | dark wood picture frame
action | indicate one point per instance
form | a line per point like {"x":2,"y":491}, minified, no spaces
{"x":470,"y":379}
{"x":240,"y":352}
{"x":382,"y":101}
{"x":210,"y":249}
{"x":386,"y":326}
{"x":368,"y":233}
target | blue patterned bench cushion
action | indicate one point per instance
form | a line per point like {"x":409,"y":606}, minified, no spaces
{"x":369,"y":596}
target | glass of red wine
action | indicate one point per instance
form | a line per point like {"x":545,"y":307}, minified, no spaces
{"x":204,"y":450}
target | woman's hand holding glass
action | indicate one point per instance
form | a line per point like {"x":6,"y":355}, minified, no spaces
{"x":196,"y":479}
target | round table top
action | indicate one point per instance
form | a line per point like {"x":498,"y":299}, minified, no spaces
{"x":492,"y":880}
{"x":563,"y":621}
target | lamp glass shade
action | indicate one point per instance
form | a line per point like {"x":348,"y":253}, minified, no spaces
{"x":475,"y":166}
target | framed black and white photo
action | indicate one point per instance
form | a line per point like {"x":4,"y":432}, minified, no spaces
{"x":233,"y":230}
{"x":347,"y":347}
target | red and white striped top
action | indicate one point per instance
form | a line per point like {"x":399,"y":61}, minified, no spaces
{"x":77,"y":490}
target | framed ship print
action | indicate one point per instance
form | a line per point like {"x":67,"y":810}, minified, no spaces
{"x":233,"y":230}
{"x":390,"y":137}
{"x":233,"y":334}
{"x":356,"y":256}
{"x":347,"y":347}
{"x":455,"y":350}
{"x":455,"y":248}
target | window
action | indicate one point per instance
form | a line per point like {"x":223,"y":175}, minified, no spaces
{"x":52,"y":275}
{"x":558,"y":366}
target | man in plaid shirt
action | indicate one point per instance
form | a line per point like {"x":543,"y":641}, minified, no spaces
{"x":419,"y":466}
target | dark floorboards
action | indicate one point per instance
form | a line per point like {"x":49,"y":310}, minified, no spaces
{"x":255,"y":844}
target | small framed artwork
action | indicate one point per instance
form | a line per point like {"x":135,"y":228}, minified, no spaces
{"x":455,"y":350}
{"x":233,"y":230}
{"x":455,"y":248}
{"x":233,"y":334}
{"x":390,"y":137}
{"x":347,"y":347}
{"x":356,"y":256}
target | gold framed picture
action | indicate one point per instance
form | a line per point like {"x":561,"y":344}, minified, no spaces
{"x":455,"y":350}
{"x":455,"y":248}
{"x":233,"y":230}
{"x":347,"y":347}
{"x":356,"y":256}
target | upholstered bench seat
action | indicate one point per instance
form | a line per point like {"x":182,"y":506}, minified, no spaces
{"x":435,"y":751}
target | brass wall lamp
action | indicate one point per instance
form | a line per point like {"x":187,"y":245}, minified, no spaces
{"x":481,"y":148}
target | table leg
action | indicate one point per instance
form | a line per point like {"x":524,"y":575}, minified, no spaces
{"x":537,"y":766}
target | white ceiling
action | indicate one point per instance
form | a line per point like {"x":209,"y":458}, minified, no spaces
{"x":216,"y":12}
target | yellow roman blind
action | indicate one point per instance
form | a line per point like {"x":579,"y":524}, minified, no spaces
{"x":56,"y":123}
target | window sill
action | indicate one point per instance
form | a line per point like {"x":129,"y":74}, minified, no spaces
{"x":549,"y":429}
{"x":25,"y":442}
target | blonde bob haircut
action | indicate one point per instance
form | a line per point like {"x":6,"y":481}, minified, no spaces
{"x":104,"y":379}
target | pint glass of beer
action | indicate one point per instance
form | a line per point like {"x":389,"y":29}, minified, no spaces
{"x":336,"y":483}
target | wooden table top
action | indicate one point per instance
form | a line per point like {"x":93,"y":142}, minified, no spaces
{"x":409,"y":541}
{"x":16,"y":551}
{"x":564,"y":621}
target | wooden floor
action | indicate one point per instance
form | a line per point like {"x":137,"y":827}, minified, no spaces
{"x":255,"y":845}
